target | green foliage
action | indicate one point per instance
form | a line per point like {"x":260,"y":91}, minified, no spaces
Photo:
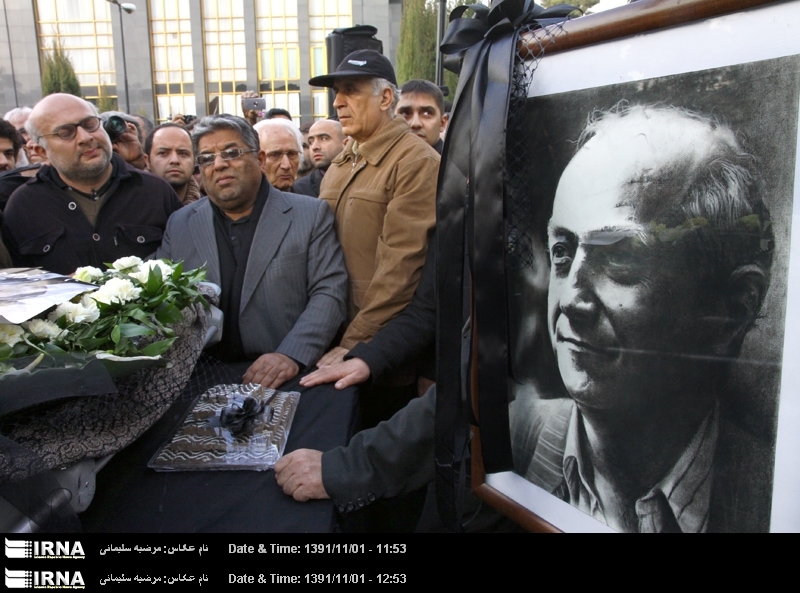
{"x":104,"y":102}
{"x":58,"y":74}
{"x":584,"y":5}
{"x":416,"y":54}
{"x":130,"y":314}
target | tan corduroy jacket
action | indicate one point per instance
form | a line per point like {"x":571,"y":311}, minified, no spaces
{"x":384,"y":202}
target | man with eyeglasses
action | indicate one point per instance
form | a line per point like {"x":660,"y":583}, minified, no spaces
{"x":282,"y":142}
{"x":275,"y":256}
{"x":88,"y":207}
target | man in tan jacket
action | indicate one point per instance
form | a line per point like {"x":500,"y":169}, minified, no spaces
{"x":382,"y":190}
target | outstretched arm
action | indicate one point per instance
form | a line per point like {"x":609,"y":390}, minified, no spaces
{"x":346,"y":373}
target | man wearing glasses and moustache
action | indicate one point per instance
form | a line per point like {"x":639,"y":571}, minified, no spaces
{"x":88,"y":207}
{"x":275,"y":255}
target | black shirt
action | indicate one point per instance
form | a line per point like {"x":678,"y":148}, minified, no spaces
{"x":234,"y":238}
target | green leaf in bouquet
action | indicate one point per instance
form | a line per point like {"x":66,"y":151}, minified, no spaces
{"x":106,"y":308}
{"x":6,"y":351}
{"x":169,"y":313}
{"x":157,"y":348}
{"x":130,"y":330}
{"x":53,"y":349}
{"x":177,"y":272}
{"x":115,"y":334}
{"x":156,"y":300}
{"x":101,"y":327}
{"x":91,"y":344}
{"x":154,"y":280}
{"x":139,"y":315}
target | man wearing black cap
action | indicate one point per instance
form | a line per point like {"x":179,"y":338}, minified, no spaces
{"x":382,"y":191}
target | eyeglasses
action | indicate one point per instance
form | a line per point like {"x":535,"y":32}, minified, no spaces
{"x":204,"y":160}
{"x":277,"y":155}
{"x":69,"y":131}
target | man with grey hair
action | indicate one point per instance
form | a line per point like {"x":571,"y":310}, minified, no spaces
{"x":282,"y":144}
{"x":661,"y":249}
{"x":382,"y":189}
{"x":274,"y":255}
{"x":88,"y":207}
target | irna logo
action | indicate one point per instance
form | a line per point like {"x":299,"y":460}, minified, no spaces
{"x":44,"y":549}
{"x":43,"y":579}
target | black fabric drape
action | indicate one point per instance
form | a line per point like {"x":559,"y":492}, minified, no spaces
{"x":471,"y":237}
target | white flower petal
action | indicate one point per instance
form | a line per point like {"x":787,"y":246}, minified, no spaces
{"x":10,"y":334}
{"x":88,"y":274}
{"x":43,"y":329}
{"x":124,"y":264}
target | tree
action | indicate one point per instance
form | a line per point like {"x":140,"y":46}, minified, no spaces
{"x":104,"y":102}
{"x":58,"y":74}
{"x":416,"y":54}
{"x":584,"y":5}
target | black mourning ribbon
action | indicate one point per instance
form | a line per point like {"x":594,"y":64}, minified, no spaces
{"x":471,"y":236}
{"x":242,"y":419}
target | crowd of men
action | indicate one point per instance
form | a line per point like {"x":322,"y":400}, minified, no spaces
{"x":308,"y":265}
{"x":319,"y":240}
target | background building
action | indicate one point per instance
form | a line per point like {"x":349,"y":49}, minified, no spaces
{"x":184,"y":56}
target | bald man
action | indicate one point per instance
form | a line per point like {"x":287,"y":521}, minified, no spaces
{"x":89,"y":207}
{"x":660,"y":248}
{"x":326,"y":141}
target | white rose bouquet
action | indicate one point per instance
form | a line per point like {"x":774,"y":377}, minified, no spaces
{"x":129,"y":314}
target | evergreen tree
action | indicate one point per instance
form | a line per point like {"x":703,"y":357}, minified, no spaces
{"x":584,"y":5}
{"x":104,"y":102}
{"x":58,"y":74}
{"x":416,"y":54}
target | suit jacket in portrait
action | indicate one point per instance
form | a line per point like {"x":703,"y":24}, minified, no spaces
{"x":741,"y":488}
{"x":295,"y":285}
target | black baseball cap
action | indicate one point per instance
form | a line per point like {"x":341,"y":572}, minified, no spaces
{"x":362,"y":62}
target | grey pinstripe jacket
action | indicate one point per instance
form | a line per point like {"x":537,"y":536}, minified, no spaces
{"x":295,"y":285}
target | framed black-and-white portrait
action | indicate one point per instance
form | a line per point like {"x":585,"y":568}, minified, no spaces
{"x":653,"y":305}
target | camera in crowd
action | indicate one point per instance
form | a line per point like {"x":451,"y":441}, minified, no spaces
{"x":115,"y":127}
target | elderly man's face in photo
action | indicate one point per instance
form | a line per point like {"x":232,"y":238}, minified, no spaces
{"x":623,"y":304}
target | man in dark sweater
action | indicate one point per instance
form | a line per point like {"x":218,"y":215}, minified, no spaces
{"x":88,"y":207}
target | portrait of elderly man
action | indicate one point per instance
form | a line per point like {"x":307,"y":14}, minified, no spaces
{"x":89,"y":206}
{"x":282,"y":144}
{"x":274,"y":255}
{"x":660,"y":249}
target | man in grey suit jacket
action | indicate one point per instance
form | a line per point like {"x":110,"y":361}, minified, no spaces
{"x":275,"y":255}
